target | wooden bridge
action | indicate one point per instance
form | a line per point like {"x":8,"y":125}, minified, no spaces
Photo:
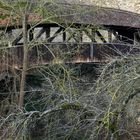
{"x":75,"y":34}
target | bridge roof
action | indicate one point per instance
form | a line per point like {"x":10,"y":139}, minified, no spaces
{"x":79,"y":14}
{"x":86,"y":14}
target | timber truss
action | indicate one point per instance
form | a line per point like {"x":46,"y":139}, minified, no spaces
{"x":72,"y":42}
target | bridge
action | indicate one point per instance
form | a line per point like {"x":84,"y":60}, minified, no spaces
{"x":71,"y":34}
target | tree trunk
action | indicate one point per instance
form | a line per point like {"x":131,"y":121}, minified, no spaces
{"x":25,"y":60}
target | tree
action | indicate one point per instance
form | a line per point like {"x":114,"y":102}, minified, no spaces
{"x":65,"y":111}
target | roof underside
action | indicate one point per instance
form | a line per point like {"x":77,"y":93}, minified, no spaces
{"x":80,"y":14}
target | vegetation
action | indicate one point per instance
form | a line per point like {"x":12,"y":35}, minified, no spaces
{"x":55,"y":102}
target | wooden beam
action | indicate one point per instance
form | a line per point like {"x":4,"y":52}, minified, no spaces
{"x":15,"y":41}
{"x":71,"y":36}
{"x":80,"y":36}
{"x":88,"y":34}
{"x":109,"y":37}
{"x":40,"y":33}
{"x":64,"y":35}
{"x":31,"y":35}
{"x":55,"y":35}
{"x":47,"y":31}
{"x":91,"y":51}
{"x":91,"y":36}
{"x":101,"y":37}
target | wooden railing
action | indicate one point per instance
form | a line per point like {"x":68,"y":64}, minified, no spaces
{"x":65,"y":53}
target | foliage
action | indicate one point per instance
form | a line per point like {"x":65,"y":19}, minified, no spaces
{"x":58,"y":103}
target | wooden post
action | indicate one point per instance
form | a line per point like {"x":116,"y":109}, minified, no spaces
{"x":93,"y":35}
{"x":109,"y":37}
{"x":31,"y":35}
{"x":47,"y":31}
{"x":64,"y":35}
{"x":91,"y":51}
{"x":80,"y":36}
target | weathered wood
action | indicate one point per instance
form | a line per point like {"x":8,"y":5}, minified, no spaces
{"x":40,"y":33}
{"x":68,"y":53}
{"x":90,"y":35}
{"x":101,"y":37}
{"x":94,"y":15}
{"x":31,"y":34}
{"x":91,"y":51}
{"x":93,"y":35}
{"x":80,"y":38}
{"x":55,"y":34}
{"x":64,"y":35}
{"x":15,"y":41}
{"x":47,"y":31}
{"x":109,"y":37}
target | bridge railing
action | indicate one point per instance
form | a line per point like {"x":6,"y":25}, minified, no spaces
{"x":66,"y":53}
